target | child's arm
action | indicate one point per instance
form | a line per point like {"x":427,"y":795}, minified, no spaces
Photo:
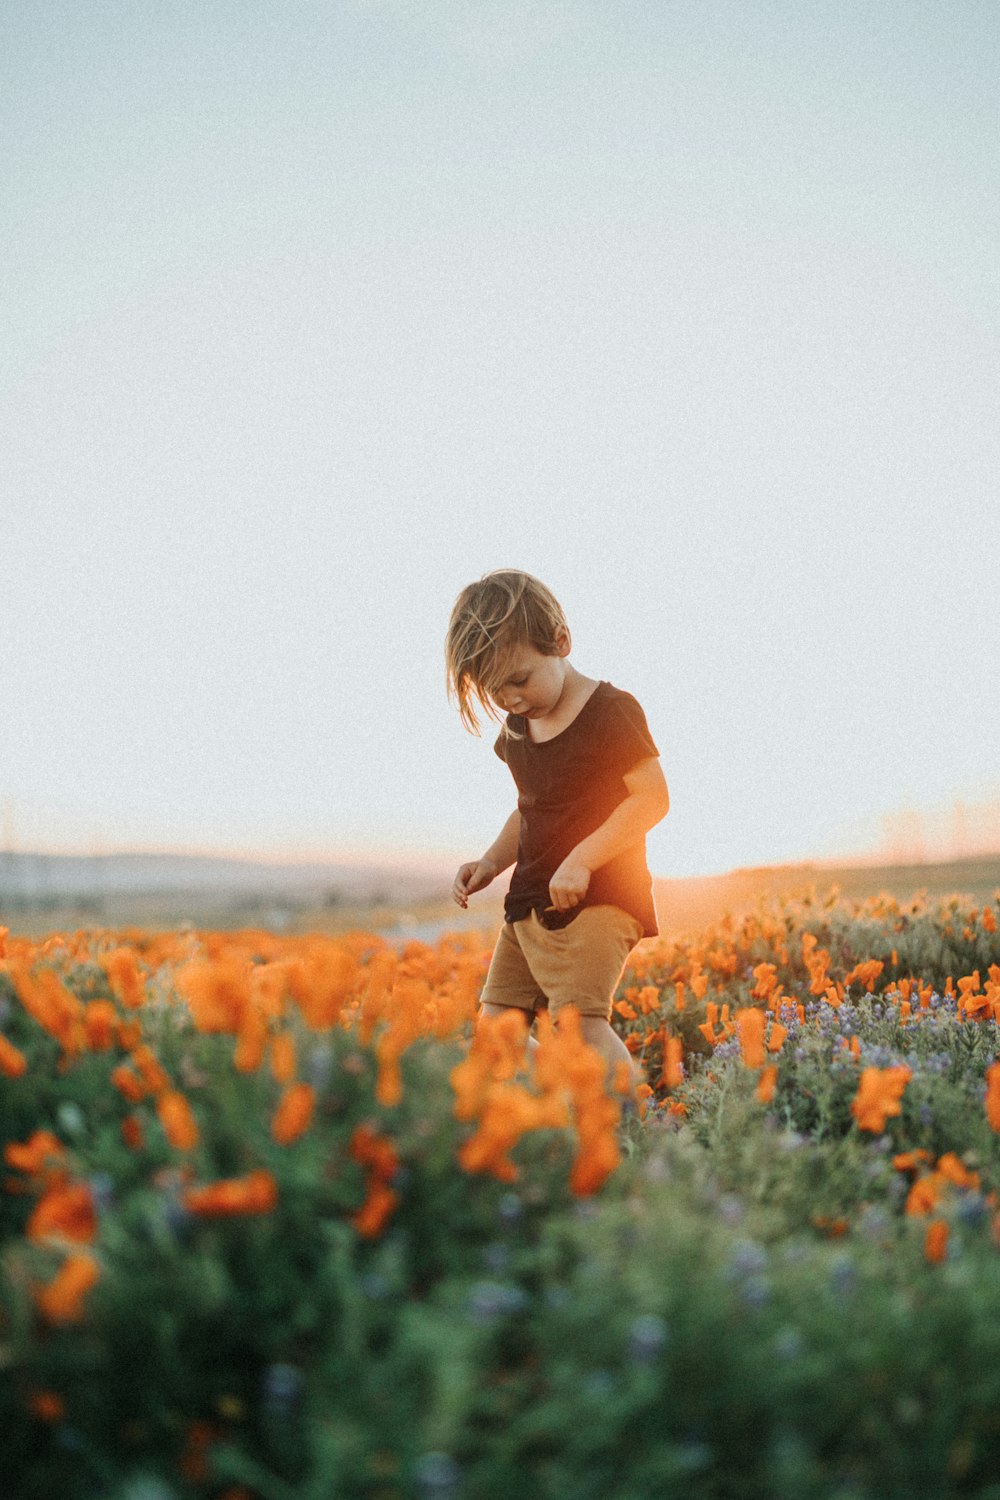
{"x":498,"y":857}
{"x":647,"y":802}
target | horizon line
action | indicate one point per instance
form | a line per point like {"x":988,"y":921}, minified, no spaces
{"x":434,"y":859}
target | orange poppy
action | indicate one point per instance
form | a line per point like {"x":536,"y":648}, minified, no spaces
{"x":47,"y":1406}
{"x":776,"y":1037}
{"x":256,"y":1193}
{"x":37,"y":1155}
{"x":371,"y":1217}
{"x":936,"y":1241}
{"x":283,"y":1060}
{"x":925,"y":1194}
{"x":65,"y":1211}
{"x":100,"y":1020}
{"x":878,"y":1097}
{"x":993,"y":1095}
{"x":13,"y":1062}
{"x":62,"y":1299}
{"x":251,"y":1040}
{"x":179,"y":1124}
{"x":122,"y":968}
{"x":127,"y":1084}
{"x":294,"y":1113}
{"x":673,"y":1062}
{"x":750,"y":1023}
{"x":151,"y":1070}
{"x":767,"y":1083}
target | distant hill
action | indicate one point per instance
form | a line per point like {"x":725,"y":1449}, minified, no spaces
{"x":162,"y":889}
{"x":696,"y":901}
{"x":75,"y":874}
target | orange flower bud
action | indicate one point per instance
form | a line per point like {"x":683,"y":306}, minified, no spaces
{"x":294,"y":1114}
{"x":936,"y":1241}
{"x":283,"y":1060}
{"x":12,"y":1061}
{"x":179,"y":1124}
{"x":61,"y":1301}
{"x":257,"y":1193}
{"x":65,"y":1211}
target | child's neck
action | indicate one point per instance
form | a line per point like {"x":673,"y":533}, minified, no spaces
{"x":576,"y":690}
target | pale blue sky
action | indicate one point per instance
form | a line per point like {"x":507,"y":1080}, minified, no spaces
{"x":314,"y":312}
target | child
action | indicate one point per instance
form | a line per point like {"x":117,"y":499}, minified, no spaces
{"x":589,"y":788}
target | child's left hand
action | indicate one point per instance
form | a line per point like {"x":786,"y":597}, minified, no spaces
{"x":568,"y":885}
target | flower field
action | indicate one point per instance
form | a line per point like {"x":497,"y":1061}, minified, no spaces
{"x":277,"y":1222}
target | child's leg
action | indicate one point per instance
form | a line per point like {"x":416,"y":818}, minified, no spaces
{"x":528,"y":1016}
{"x":580,"y":965}
{"x":510,"y":984}
{"x":604,"y":1039}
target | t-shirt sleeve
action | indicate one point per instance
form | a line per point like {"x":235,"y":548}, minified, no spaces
{"x":501,"y":743}
{"x":627,"y":739}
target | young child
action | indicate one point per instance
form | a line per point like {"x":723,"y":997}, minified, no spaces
{"x":589,"y":789}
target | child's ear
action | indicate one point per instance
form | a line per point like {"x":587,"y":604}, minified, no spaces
{"x":563,"y":643}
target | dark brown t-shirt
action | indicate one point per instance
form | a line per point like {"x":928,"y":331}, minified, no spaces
{"x":568,"y":786}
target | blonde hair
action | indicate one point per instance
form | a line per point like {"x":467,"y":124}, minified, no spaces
{"x":492,"y":619}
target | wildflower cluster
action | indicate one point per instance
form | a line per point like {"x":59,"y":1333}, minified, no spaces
{"x":278,"y":1218}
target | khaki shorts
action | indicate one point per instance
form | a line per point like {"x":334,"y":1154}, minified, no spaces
{"x":579,"y":964}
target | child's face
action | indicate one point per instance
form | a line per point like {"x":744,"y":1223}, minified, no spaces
{"x":534,"y":683}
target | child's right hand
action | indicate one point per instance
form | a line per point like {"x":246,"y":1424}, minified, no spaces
{"x":473,"y":876}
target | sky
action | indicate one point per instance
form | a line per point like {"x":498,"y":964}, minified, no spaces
{"x":315,"y":312}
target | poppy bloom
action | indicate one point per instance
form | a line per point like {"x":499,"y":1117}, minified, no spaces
{"x":878,"y":1097}
{"x":47,"y":1406}
{"x":47,"y":1000}
{"x":294,"y":1114}
{"x":65,"y":1211}
{"x":283,"y":1061}
{"x":375,"y":1151}
{"x":866,"y":974}
{"x":673,"y":1062}
{"x":377,"y":1154}
{"x":179,"y":1124}
{"x":193,"y":1462}
{"x":100,"y":1020}
{"x":151,"y":1070}
{"x":251,"y":1040}
{"x":750,"y":1024}
{"x":993,"y":1095}
{"x":954,"y":1170}
{"x":766,"y":976}
{"x":62,"y":1299}
{"x":911,"y":1161}
{"x":127,"y":1084}
{"x":12,"y":1061}
{"x":371,"y":1217}
{"x":216,"y":991}
{"x":37,"y":1155}
{"x":767,"y":1083}
{"x":776,"y":1037}
{"x":122,"y":968}
{"x":924,"y":1195}
{"x":257,"y":1193}
{"x":936,"y":1241}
